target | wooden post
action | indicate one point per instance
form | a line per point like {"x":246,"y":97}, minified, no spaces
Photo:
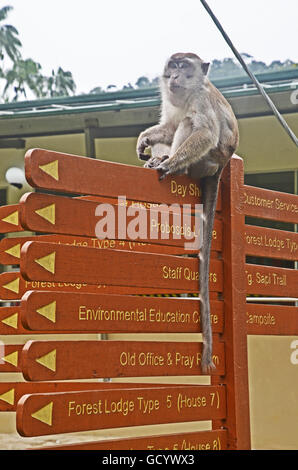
{"x":91,"y":126}
{"x":234,"y":336}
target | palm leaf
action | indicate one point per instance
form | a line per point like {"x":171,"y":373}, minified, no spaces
{"x":4,"y":12}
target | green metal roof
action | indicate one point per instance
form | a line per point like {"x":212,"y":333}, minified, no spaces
{"x":125,"y":99}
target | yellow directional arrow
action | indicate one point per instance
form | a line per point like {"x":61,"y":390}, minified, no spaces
{"x":12,"y":320}
{"x":8,"y":397}
{"x":14,"y":285}
{"x":12,"y":218}
{"x":48,"y":311}
{"x":48,"y":360}
{"x":51,"y":169}
{"x":14,"y":251}
{"x":12,"y":358}
{"x":47,"y":262}
{"x":47,"y":213}
{"x":44,"y":414}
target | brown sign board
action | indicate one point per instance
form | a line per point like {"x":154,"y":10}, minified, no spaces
{"x":13,"y":286}
{"x":200,"y":440}
{"x":42,"y":414}
{"x":266,"y":242}
{"x":81,"y":175}
{"x":11,"y":324}
{"x":11,"y":392}
{"x":72,"y":216}
{"x":267,"y":204}
{"x":10,"y":321}
{"x":55,"y":360}
{"x":10,"y":248}
{"x":114,"y":313}
{"x":53,"y":262}
{"x":10,"y":357}
{"x":271,"y":281}
{"x":10,"y":219}
{"x":264,"y":319}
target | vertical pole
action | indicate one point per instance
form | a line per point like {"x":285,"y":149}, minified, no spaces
{"x":91,"y":126}
{"x":234,"y":336}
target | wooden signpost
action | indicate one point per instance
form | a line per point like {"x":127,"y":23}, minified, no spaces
{"x":72,"y":282}
{"x":52,"y":262}
{"x":57,"y":214}
{"x":260,"y":241}
{"x":271,"y":319}
{"x":54,"y":413}
{"x":10,"y":357}
{"x":11,"y":392}
{"x":57,"y":360}
{"x":13,"y":286}
{"x":118,"y":313}
{"x":63,"y":172}
{"x":267,"y":204}
{"x":10,"y":219}
{"x":278,"y":281}
{"x":10,"y":248}
{"x":201,"y":440}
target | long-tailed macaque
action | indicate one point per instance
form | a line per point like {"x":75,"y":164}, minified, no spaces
{"x":197,"y":135}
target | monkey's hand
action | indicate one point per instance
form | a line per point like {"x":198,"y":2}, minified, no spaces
{"x":142,"y":144}
{"x":154,"y":162}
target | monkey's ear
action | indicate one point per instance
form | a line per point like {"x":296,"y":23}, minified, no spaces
{"x":205,"y":67}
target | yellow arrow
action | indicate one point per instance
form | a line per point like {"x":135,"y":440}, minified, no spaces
{"x":11,"y":358}
{"x":48,"y":311}
{"x":44,"y":414}
{"x":8,"y":397}
{"x":14,"y":285}
{"x":12,"y":218}
{"x":47,"y":262}
{"x":51,"y":169}
{"x":12,"y":320}
{"x":47,"y":213}
{"x":48,"y":360}
{"x":14,"y":251}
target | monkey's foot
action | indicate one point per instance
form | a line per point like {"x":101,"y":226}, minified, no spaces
{"x":168,"y":167}
{"x":154,"y":162}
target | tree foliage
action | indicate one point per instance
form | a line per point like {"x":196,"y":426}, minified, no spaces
{"x":227,"y":67}
{"x":24,"y":75}
{"x":9,"y":41}
{"x":224,"y":68}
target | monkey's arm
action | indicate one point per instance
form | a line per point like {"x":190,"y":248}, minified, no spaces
{"x":189,"y":152}
{"x":159,"y":134}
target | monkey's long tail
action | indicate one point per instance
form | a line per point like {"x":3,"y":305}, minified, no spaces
{"x":209,"y":187}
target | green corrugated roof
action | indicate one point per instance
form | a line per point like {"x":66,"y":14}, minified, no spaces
{"x":125,"y":99}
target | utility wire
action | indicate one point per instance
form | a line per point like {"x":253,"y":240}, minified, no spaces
{"x":251,"y":75}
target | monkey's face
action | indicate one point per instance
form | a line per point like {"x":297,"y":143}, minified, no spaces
{"x":183,"y":72}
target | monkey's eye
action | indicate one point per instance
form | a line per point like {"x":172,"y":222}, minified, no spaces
{"x":172,"y":65}
{"x":183,"y":65}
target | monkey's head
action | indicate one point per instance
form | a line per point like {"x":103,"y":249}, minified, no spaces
{"x":183,"y":73}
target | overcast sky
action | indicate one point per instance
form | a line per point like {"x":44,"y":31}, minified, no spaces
{"x":106,"y":42}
